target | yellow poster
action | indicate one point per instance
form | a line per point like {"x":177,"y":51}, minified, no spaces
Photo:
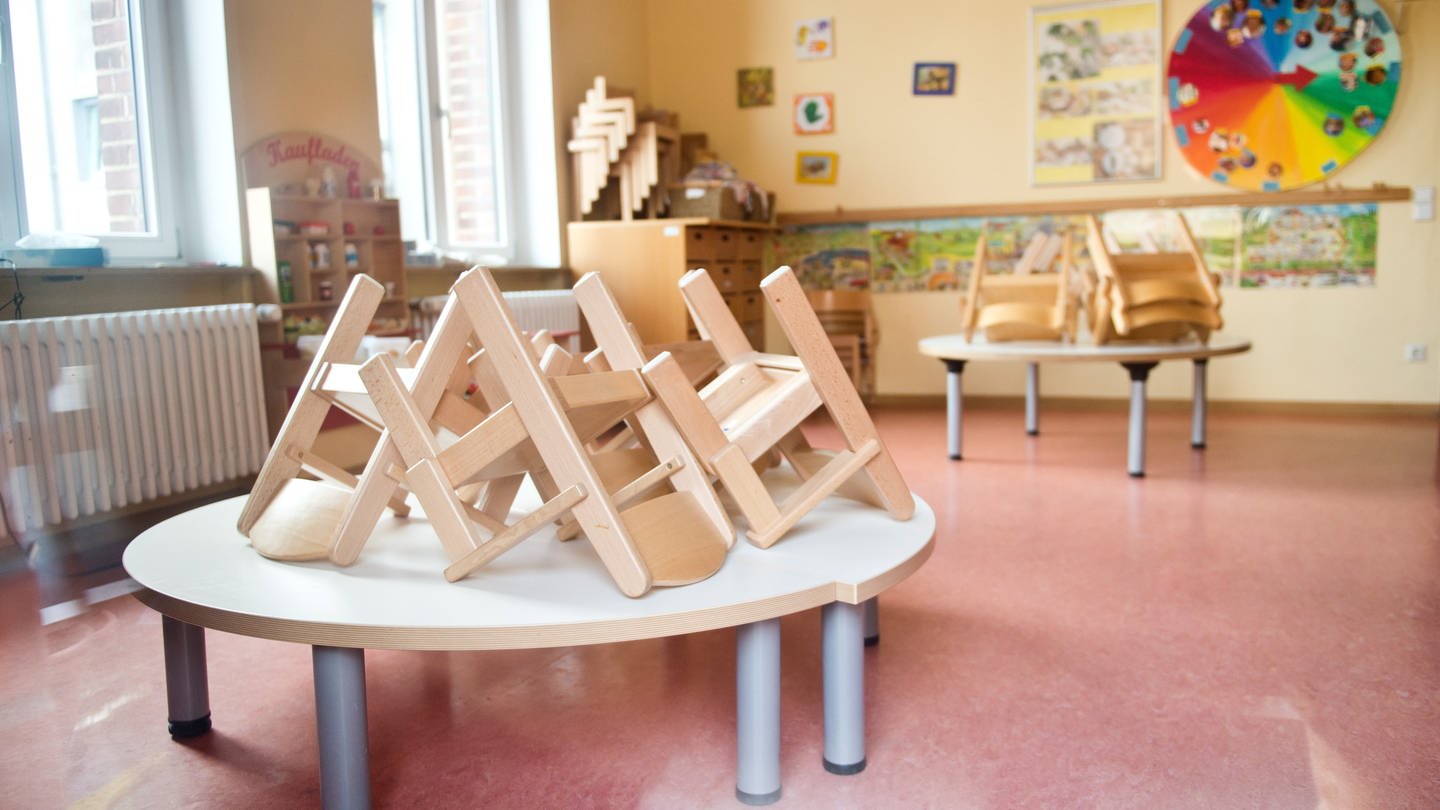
{"x":1095,"y":101}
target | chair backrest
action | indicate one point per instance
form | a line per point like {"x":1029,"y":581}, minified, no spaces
{"x":849,"y":320}
{"x":1033,"y":302}
{"x":1155,"y":295}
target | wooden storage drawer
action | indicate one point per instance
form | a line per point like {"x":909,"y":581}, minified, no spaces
{"x":751,"y":274}
{"x":702,"y":244}
{"x":752,"y":246}
{"x":728,"y":276}
{"x":729,"y":243}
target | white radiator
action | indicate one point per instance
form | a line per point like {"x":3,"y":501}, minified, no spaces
{"x":102,"y":412}
{"x":534,"y":310}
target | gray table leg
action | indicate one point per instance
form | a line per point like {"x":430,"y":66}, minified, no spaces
{"x":872,"y":621}
{"x":341,"y":725}
{"x":1139,"y":373}
{"x":757,"y":712}
{"x":1032,"y":399}
{"x":1197,"y":414}
{"x":842,"y":631}
{"x":954,"y":406}
{"x":187,"y":691}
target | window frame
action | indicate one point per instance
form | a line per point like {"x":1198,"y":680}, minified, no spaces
{"x":433,"y":123}
{"x":154,"y":88}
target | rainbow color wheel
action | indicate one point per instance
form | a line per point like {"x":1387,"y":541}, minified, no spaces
{"x":1268,"y":95}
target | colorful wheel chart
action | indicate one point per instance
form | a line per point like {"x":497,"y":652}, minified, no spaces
{"x":1268,"y":95}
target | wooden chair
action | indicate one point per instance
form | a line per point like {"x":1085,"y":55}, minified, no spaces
{"x":291,"y":518}
{"x":1152,"y":296}
{"x":674,"y":538}
{"x":755,"y":406}
{"x":848,"y":320}
{"x":1032,"y":303}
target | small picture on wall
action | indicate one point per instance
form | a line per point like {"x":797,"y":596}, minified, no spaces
{"x":814,"y":113}
{"x":815,"y":39}
{"x":755,"y":87}
{"x":816,"y":167}
{"x":934,"y":79}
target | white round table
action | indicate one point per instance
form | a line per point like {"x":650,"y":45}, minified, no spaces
{"x":199,"y":572}
{"x":1137,"y":358}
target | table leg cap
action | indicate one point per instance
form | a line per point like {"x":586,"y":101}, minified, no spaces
{"x":845,"y":770}
{"x":185,"y":729}
{"x":1198,"y":445}
{"x":1032,"y":432}
{"x":954,"y":456}
{"x":757,"y":799}
{"x":1134,"y":474}
{"x":872,"y":641}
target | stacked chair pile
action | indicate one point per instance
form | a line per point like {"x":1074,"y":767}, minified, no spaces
{"x":619,"y":445}
{"x":1153,"y":296}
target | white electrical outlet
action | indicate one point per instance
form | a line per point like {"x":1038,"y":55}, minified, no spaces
{"x":1415,"y":352}
{"x":1422,"y":200}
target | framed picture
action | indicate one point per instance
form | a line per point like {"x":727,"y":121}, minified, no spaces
{"x":755,"y":87}
{"x":934,"y":79}
{"x":815,"y":39}
{"x":816,"y":167}
{"x":1095,"y":92}
{"x":814,"y":113}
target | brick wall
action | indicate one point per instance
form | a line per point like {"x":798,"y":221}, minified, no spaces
{"x":119,"y":127}
{"x":465,"y":66}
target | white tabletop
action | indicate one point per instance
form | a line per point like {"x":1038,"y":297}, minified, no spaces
{"x":956,"y":347}
{"x":197,"y":568}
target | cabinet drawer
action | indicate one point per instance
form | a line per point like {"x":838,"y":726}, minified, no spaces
{"x":728,"y":243}
{"x":702,"y":245}
{"x":752,"y":246}
{"x":728,"y":276}
{"x":751,"y":275}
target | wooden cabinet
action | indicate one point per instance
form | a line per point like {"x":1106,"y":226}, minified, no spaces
{"x":321,"y":243}
{"x":642,"y":262}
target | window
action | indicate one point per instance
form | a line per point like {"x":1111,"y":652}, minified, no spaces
{"x":442,"y":113}
{"x":83,"y":122}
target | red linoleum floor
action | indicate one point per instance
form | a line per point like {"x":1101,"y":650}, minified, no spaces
{"x":1254,"y":625}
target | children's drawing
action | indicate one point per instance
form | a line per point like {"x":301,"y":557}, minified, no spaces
{"x":814,"y":113}
{"x":755,"y":87}
{"x":815,"y":39}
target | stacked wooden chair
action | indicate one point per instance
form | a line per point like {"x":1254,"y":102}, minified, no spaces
{"x":662,"y":525}
{"x":1035,"y":302}
{"x":849,"y":322}
{"x":1155,"y":296}
{"x":756,"y":404}
{"x":290,"y":518}
{"x":609,"y":139}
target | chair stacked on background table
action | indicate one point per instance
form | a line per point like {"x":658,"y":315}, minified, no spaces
{"x":1154,"y":296}
{"x":1033,"y":302}
{"x":621,"y":448}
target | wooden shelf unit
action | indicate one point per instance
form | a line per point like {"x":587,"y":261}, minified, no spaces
{"x":642,"y":262}
{"x":375,"y":234}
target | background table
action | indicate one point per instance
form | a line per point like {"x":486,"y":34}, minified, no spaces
{"x":1137,"y":358}
{"x":199,"y":572}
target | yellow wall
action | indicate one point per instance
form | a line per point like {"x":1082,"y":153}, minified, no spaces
{"x":900,"y":150}
{"x":303,"y":66}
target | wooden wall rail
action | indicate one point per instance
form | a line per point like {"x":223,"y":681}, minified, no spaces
{"x":1378,"y":193}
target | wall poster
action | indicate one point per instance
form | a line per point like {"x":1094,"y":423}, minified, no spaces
{"x":1259,"y":247}
{"x":1268,"y":96}
{"x":1095,"y":92}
